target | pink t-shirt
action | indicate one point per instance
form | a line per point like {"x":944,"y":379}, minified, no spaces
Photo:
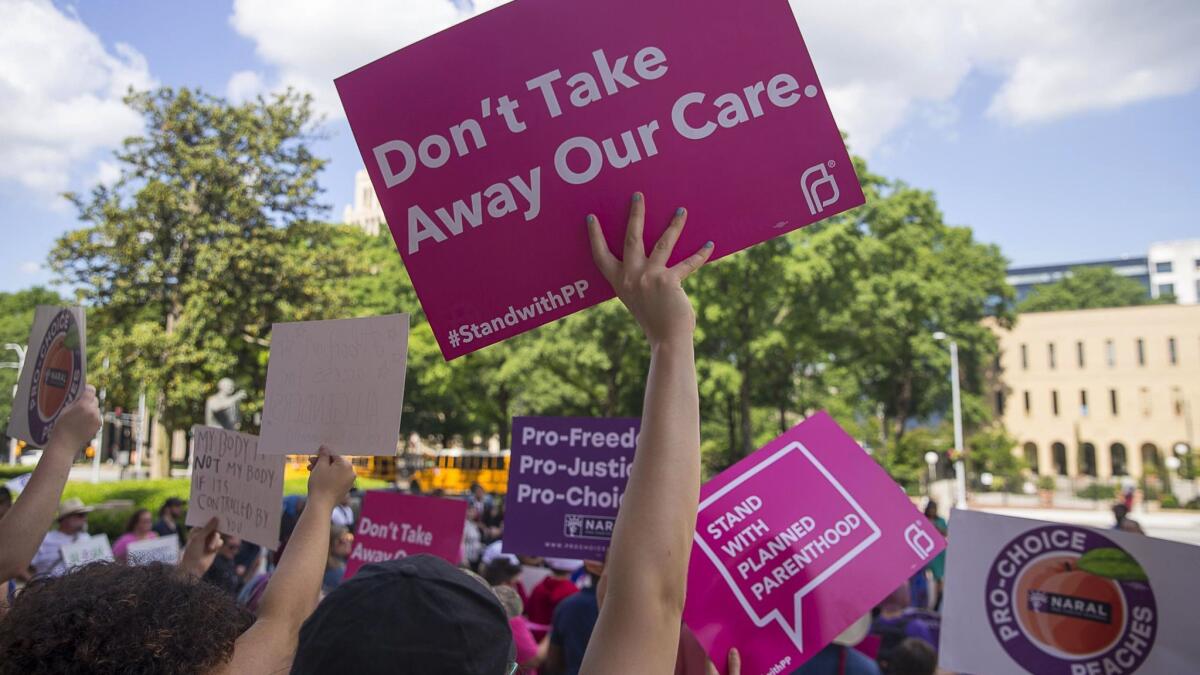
{"x":527,"y":647}
{"x":126,"y":539}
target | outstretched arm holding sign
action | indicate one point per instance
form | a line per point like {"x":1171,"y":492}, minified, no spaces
{"x":293,"y":591}
{"x":24,"y":526}
{"x":638,"y":628}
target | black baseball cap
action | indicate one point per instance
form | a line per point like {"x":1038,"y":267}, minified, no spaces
{"x":417,"y":615}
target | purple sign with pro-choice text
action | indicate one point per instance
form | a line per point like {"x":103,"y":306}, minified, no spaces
{"x":796,"y":542}
{"x":489,"y":143}
{"x":566,"y":478}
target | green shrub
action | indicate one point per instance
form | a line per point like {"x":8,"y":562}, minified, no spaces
{"x":1098,"y":491}
{"x":1047,"y":483}
{"x":1193,"y":504}
{"x":1169,"y":502}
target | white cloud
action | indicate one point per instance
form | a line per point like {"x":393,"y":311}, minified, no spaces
{"x":60,"y":95}
{"x":311,"y":42}
{"x":244,"y":85}
{"x":883,"y":63}
{"x":29,"y":267}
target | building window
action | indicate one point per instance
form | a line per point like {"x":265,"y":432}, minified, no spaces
{"x":1079,"y":353}
{"x":1054,"y":402}
{"x":1000,"y":402}
{"x":1171,"y":355}
{"x":1178,"y":401}
{"x":1112,"y":401}
{"x":1083,"y":409}
{"x":1110,"y":353}
{"x":1145,"y":392}
{"x":1028,"y":404}
{"x":1024,"y":357}
{"x":1141,"y":352}
{"x":1050,"y":351}
{"x":1088,"y":459}
{"x":1162,"y":267}
{"x":1031,"y":457}
{"x":1165,"y":290}
{"x":1058,"y":452}
{"x":1120,"y":463}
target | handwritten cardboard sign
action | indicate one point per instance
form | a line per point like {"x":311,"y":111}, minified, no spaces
{"x":157,"y":549}
{"x":335,"y":383}
{"x":1029,"y":596}
{"x":566,"y":478}
{"x":796,"y":542}
{"x":486,"y":167}
{"x":233,"y":480}
{"x":93,"y":549}
{"x":53,"y":374}
{"x":393,"y":525}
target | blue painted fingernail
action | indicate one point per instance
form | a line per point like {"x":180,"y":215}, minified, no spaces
{"x":591,"y":219}
{"x":637,"y":196}
{"x":680,"y":211}
{"x":708,"y":244}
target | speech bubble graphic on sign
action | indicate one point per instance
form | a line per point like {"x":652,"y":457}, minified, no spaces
{"x":796,"y":542}
{"x":761,"y":551}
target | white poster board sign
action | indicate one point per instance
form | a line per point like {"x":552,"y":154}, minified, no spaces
{"x":157,"y":549}
{"x":86,"y":551}
{"x":335,"y":383}
{"x":1029,"y":596}
{"x":233,"y":480}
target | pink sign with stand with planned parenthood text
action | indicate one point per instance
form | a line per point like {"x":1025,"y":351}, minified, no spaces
{"x":393,"y":526}
{"x":796,"y":542}
{"x":488,"y":144}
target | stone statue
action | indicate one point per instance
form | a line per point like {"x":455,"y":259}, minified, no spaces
{"x":221,"y":409}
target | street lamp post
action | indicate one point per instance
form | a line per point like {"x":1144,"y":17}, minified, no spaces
{"x":960,"y":472}
{"x":931,"y":459}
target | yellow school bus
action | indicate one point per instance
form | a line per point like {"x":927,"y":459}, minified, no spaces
{"x":454,"y":470}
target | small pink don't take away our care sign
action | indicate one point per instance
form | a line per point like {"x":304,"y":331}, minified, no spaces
{"x":489,"y":143}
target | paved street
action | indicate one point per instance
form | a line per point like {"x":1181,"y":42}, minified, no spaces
{"x":1181,"y":526}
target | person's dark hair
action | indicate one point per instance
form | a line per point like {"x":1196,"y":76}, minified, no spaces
{"x":171,"y":501}
{"x":913,"y":656}
{"x":133,"y":519}
{"x":501,"y":571}
{"x":931,"y":506}
{"x":5,"y":495}
{"x":109,"y":618}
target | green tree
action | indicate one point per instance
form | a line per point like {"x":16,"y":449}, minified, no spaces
{"x":913,"y":275}
{"x":990,"y":450}
{"x":16,"y":320}
{"x":205,"y":240}
{"x":1089,"y":288}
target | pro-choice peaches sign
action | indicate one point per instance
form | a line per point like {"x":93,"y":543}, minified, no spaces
{"x":489,"y":143}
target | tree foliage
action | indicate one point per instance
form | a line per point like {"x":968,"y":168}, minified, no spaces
{"x":1089,"y":288}
{"x":205,"y":240}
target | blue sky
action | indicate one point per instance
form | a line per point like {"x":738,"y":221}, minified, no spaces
{"x":1097,"y":159}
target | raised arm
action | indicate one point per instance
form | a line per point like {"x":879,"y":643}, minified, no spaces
{"x":24,"y":526}
{"x":295,"y":587}
{"x":638,"y":628}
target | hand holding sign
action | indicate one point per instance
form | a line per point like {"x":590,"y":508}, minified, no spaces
{"x":202,"y":546}
{"x":652,"y":291}
{"x":332,"y":477}
{"x":78,"y":422}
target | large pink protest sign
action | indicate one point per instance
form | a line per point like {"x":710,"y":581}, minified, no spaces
{"x":489,"y":143}
{"x":796,"y":542}
{"x":393,"y":525}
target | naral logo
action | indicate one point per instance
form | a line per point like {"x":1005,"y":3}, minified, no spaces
{"x":57,"y":375}
{"x":1063,"y":599}
{"x":813,"y":180}
{"x":588,"y":527}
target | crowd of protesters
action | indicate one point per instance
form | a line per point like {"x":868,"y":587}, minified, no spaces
{"x":228,"y":607}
